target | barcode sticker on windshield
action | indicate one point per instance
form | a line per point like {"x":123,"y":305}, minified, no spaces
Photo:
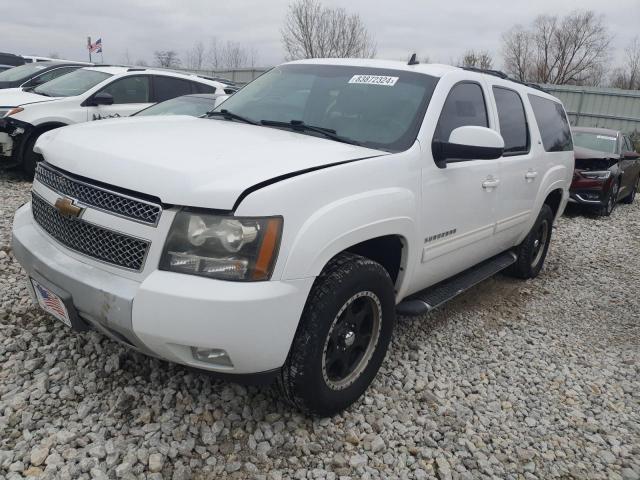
{"x":374,"y":80}
{"x":605,"y":137}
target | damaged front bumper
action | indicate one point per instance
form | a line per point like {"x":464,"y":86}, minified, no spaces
{"x":13,"y":134}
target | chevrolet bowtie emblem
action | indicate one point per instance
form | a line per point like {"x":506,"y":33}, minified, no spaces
{"x":66,"y":207}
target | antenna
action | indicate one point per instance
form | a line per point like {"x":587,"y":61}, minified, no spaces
{"x":413,"y":60}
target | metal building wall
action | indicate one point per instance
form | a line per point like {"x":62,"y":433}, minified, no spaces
{"x":600,"y":107}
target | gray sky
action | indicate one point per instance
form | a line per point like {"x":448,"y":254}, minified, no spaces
{"x":441,"y":30}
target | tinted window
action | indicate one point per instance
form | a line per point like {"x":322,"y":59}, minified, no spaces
{"x":133,"y":89}
{"x":627,"y":145}
{"x":202,"y":88}
{"x":165,"y":88}
{"x":513,"y":121}
{"x":464,"y":106}
{"x":553,"y":124}
{"x":375,"y":107}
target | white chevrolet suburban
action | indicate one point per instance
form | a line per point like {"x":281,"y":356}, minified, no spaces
{"x":84,"y":95}
{"x":279,"y":237}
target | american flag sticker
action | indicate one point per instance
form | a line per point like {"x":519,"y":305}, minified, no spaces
{"x":51,"y":303}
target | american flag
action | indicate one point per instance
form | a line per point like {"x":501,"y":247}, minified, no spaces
{"x":51,"y":301}
{"x":95,"y":47}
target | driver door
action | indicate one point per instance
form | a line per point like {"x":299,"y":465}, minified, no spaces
{"x":458,"y":201}
{"x":130,"y":95}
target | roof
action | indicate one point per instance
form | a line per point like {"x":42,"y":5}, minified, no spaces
{"x":597,"y":131}
{"x":117,"y":70}
{"x":434,"y":69}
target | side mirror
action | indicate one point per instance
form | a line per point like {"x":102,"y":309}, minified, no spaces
{"x":468,"y":143}
{"x":630,"y":155}
{"x":101,"y":98}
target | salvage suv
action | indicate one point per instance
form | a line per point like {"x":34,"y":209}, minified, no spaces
{"x":279,"y":237}
{"x":84,"y":95}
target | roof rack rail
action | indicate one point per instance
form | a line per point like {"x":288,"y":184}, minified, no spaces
{"x":488,"y":71}
{"x":536,"y":86}
{"x":136,"y":69}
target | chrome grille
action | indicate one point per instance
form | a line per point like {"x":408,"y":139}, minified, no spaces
{"x":98,"y":197}
{"x":91,"y":240}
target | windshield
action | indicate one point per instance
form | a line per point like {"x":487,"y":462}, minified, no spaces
{"x":18,"y":73}
{"x":593,"y":141}
{"x":193,"y":106}
{"x":74,"y":83}
{"x":377,"y":108}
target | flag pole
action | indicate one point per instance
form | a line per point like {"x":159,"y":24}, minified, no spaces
{"x":89,"y":48}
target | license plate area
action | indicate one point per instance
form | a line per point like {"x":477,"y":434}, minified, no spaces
{"x":55,"y":302}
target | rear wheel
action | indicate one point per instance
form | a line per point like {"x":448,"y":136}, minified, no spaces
{"x":532,"y":252}
{"x":632,"y":195}
{"x":343,"y":336}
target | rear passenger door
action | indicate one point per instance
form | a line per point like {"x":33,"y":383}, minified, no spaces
{"x":520,"y":167}
{"x":630,"y":168}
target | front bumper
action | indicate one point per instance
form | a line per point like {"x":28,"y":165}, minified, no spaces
{"x":165,"y":314}
{"x":595,"y":197}
{"x":12,"y":137}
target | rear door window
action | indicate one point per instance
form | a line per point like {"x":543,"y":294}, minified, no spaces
{"x":553,"y":124}
{"x":464,"y":106}
{"x":513,"y":121}
{"x":166,"y":88}
{"x":203,"y":88}
{"x":133,"y":89}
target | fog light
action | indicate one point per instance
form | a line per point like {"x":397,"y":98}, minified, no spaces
{"x":215,"y":356}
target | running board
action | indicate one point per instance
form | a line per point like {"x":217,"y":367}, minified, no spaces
{"x":426,"y":300}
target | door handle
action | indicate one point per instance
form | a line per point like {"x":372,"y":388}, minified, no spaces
{"x":490,"y":183}
{"x":530,"y":175}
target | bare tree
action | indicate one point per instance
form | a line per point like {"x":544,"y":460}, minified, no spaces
{"x":627,"y":76}
{"x":196,"y":56}
{"x":141,"y":63}
{"x":567,"y":50}
{"x":166,"y":58}
{"x":126,"y":58}
{"x":233,"y":56}
{"x":480,"y":59}
{"x":312,"y":30}
{"x":517,"y":51}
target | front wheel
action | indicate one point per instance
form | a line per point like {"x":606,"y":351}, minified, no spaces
{"x":632,"y":195}
{"x":610,"y":202}
{"x":343,"y":336}
{"x":532,"y":252}
{"x":30,"y":158}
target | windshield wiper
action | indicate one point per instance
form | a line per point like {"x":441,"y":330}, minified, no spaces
{"x":300,"y":126}
{"x":230,"y":116}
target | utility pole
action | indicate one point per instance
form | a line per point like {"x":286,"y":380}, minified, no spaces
{"x":89,"y":48}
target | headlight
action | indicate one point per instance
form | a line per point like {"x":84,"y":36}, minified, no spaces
{"x":13,"y":111}
{"x":222,"y":247}
{"x":596,"y":174}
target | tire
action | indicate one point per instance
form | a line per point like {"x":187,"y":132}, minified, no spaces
{"x":30,"y":158}
{"x":611,"y":202}
{"x":331,"y":363}
{"x":532,"y":252}
{"x":632,"y":195}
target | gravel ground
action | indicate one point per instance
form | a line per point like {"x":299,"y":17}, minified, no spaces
{"x":536,"y":379}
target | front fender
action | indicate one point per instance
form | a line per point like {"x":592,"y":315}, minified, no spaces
{"x":347,"y":222}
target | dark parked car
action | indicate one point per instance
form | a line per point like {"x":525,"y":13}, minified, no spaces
{"x":607,"y":169}
{"x":31,"y":75}
{"x":194,"y":105}
{"x":9,"y":60}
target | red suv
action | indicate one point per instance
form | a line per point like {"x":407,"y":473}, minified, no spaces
{"x":607,"y":169}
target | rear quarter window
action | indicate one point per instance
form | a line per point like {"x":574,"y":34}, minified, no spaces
{"x":553,"y":124}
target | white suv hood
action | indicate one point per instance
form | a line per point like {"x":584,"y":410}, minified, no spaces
{"x":15,"y":97}
{"x":188,"y":161}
